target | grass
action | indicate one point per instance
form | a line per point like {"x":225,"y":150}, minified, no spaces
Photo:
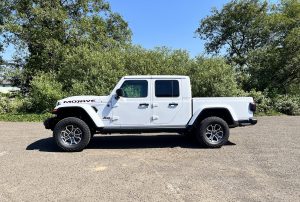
{"x":268,"y":113}
{"x":11,"y":117}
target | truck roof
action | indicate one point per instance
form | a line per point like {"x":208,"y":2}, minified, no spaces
{"x":155,"y":77}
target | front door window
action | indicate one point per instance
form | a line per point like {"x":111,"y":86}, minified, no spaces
{"x":135,"y":88}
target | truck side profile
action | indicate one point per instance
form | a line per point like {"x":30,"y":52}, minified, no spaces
{"x":141,"y":104}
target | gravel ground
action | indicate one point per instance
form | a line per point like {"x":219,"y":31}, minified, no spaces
{"x":260,"y":163}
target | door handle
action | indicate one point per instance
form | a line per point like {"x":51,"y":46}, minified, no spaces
{"x":173,"y":104}
{"x":144,"y":105}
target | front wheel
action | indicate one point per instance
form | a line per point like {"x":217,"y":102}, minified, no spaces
{"x":72,"y":134}
{"x":212,"y":132}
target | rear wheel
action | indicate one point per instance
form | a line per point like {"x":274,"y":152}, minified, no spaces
{"x":212,"y":132}
{"x":72,"y":134}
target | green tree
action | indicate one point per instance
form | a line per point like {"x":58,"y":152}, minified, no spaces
{"x":1,"y":60}
{"x":238,"y":27}
{"x":277,"y":65}
{"x":261,"y":40}
{"x":43,"y":29}
{"x":1,"y":28}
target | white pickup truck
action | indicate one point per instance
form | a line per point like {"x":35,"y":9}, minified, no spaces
{"x":149,"y":104}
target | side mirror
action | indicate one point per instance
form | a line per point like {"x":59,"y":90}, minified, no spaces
{"x":120,"y":93}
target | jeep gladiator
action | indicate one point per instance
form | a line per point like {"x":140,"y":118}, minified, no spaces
{"x":140,"y":104}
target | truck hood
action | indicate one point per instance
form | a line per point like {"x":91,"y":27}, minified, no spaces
{"x":86,"y":99}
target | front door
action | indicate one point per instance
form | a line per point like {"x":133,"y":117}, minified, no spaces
{"x":134,"y":108}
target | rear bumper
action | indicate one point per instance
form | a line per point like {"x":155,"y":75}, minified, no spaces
{"x":50,"y":123}
{"x":247,"y":122}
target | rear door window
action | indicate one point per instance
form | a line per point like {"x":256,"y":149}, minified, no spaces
{"x":166,"y":88}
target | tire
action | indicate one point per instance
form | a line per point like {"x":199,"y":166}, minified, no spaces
{"x":212,"y":132}
{"x":72,"y":134}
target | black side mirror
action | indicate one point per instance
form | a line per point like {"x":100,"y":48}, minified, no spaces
{"x":120,"y":93}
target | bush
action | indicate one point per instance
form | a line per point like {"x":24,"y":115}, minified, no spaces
{"x":45,"y":91}
{"x":86,"y":71}
{"x":212,"y":78}
{"x":286,"y":104}
{"x":10,"y":104}
{"x":4,"y":104}
{"x":271,"y":104}
{"x":159,"y":61}
{"x":264,"y":104}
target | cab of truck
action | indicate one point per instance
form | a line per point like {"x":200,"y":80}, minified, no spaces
{"x":151,"y":101}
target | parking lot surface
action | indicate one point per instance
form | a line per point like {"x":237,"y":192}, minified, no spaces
{"x":260,"y":163}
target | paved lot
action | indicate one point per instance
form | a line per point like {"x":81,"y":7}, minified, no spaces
{"x":260,"y":163}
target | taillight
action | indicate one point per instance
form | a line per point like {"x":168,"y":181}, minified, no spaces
{"x":252,"y":107}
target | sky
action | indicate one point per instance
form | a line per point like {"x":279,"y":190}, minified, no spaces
{"x":156,"y":23}
{"x":169,"y":23}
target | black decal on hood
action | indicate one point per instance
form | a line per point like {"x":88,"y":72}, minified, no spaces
{"x":79,"y":101}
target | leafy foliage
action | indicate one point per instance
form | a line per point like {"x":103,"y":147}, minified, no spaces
{"x":261,"y":41}
{"x":212,"y":77}
{"x":45,"y":91}
{"x":45,"y":29}
{"x":288,"y":104}
{"x":276,"y":65}
{"x":263,"y":102}
{"x":82,"y":47}
{"x":96,"y":72}
{"x":8,"y":105}
{"x":89,"y":71}
{"x":13,"y":103}
{"x":239,"y":27}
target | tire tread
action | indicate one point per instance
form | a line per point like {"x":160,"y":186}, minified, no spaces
{"x":200,"y":130}
{"x":84,"y":127}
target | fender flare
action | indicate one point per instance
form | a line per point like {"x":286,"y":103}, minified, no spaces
{"x":90,"y":111}
{"x":206,"y":107}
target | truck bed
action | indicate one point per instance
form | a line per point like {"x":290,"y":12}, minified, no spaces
{"x":238,"y":106}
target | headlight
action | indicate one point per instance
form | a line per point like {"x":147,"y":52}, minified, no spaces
{"x":58,"y":103}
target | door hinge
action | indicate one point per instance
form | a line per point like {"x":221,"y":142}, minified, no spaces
{"x":154,"y":105}
{"x":154,"y":117}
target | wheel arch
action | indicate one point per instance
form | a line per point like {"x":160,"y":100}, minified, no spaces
{"x":221,"y":112}
{"x":87,"y":113}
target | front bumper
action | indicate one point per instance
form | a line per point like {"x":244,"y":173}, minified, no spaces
{"x":51,"y":122}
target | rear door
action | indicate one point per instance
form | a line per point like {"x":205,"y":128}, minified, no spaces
{"x":166,"y":103}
